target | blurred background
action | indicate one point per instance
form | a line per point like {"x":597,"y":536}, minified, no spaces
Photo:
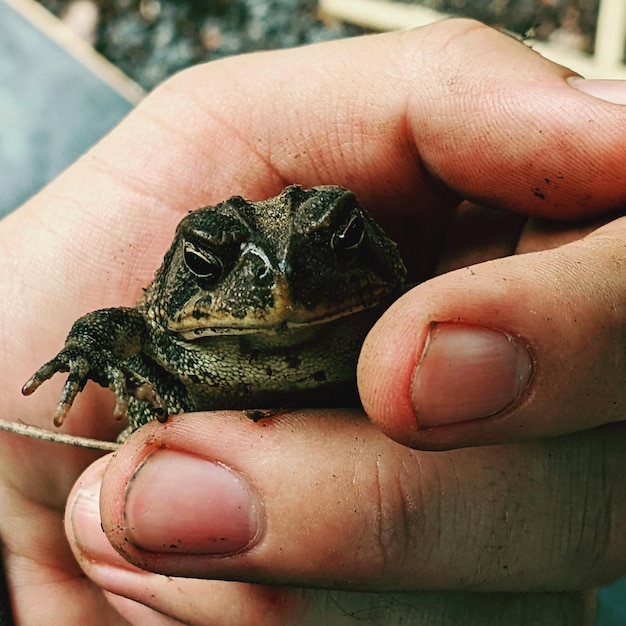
{"x":150,"y":39}
{"x":71,"y":69}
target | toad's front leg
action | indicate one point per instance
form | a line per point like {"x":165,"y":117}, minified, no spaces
{"x":96,"y":348}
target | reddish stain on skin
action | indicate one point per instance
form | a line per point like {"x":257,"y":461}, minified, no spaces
{"x":280,"y":602}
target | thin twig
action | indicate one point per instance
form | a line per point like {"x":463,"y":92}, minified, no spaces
{"x":48,"y":435}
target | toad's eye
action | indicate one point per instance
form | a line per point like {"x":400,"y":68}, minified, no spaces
{"x":349,"y":237}
{"x":203,"y":263}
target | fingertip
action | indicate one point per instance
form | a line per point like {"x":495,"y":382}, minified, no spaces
{"x":384,"y":371}
{"x":433,"y":378}
{"x":608,"y":90}
{"x":83,"y":524}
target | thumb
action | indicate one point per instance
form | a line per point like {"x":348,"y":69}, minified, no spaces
{"x":516,"y":348}
{"x":322,"y":499}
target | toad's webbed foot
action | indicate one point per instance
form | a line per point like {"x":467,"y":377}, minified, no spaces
{"x":84,"y":363}
{"x":97,"y":348}
{"x":256,"y":415}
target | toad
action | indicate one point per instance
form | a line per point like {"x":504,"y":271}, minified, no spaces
{"x":256,"y":304}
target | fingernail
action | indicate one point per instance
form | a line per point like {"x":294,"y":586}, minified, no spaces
{"x":181,"y":503}
{"x":467,"y":373}
{"x":613,"y":91}
{"x":86,"y":527}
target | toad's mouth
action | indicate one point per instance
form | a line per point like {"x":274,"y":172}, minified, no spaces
{"x":191,"y":326}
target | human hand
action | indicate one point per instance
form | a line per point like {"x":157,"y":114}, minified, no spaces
{"x":411,"y":122}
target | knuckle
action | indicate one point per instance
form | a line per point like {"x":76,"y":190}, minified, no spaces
{"x":395,"y":521}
